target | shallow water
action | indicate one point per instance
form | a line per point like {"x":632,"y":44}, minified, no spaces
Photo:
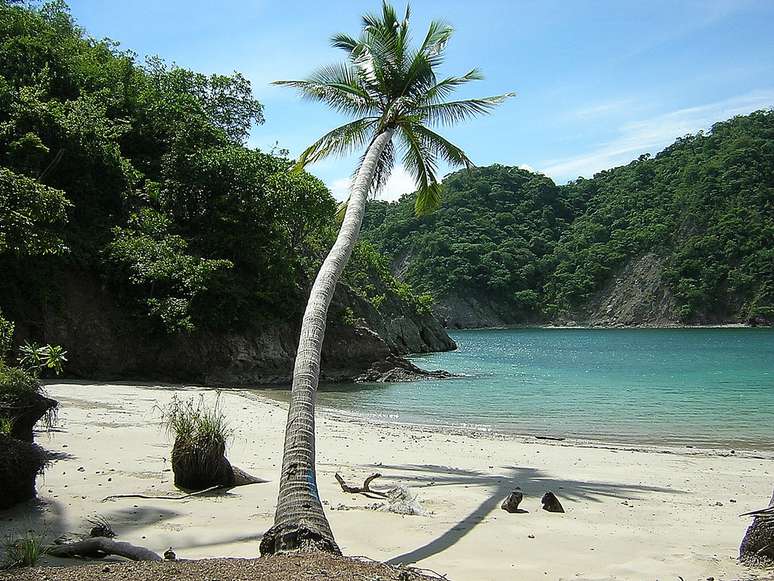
{"x":704,"y":387}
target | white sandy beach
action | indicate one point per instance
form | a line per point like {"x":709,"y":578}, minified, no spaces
{"x":631,"y":514}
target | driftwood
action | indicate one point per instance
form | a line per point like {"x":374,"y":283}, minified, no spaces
{"x":757,"y":546}
{"x":365,"y":489}
{"x":176,"y":497}
{"x":98,"y":547}
{"x":551,"y":503}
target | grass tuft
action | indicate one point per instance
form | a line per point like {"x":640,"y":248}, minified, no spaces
{"x":23,"y":551}
{"x":197,"y":426}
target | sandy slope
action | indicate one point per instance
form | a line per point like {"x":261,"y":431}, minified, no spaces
{"x":630,"y":514}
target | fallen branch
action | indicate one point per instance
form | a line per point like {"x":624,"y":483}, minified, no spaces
{"x":179,"y":497}
{"x":365,"y":489}
{"x":99,"y":547}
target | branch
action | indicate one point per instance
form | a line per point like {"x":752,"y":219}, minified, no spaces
{"x":99,"y":547}
{"x":181,"y":497}
{"x":365,"y":489}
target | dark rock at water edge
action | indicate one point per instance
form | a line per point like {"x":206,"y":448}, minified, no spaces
{"x":397,"y":369}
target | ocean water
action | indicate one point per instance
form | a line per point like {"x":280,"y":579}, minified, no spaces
{"x":701,"y":387}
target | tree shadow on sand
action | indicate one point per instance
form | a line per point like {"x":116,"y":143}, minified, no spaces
{"x":532,"y":482}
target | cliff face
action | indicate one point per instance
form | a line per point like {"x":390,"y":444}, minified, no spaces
{"x":636,"y":295}
{"x":105,"y":343}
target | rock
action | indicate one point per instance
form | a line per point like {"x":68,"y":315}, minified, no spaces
{"x":551,"y":503}
{"x":169,"y":555}
{"x":394,"y":369}
{"x":100,"y":336}
{"x":511,"y":504}
{"x":20,"y":464}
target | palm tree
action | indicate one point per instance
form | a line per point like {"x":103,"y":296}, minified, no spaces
{"x":392,"y":91}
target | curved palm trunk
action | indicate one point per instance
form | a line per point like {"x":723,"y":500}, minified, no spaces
{"x":300,"y":523}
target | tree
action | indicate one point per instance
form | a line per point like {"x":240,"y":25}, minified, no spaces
{"x":392,"y":91}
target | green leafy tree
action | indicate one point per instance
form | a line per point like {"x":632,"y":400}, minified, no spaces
{"x":391,"y":89}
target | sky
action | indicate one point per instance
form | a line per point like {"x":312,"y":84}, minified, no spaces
{"x":598,"y":82}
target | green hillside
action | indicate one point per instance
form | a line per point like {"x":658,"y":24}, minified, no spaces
{"x":704,"y":206}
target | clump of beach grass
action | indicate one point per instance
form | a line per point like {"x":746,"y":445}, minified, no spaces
{"x":197,"y":425}
{"x":201,"y":432}
{"x":24,"y":551}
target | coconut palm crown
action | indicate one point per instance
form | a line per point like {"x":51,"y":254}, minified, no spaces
{"x":388,"y":84}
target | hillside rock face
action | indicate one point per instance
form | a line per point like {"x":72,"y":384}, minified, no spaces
{"x":636,"y":295}
{"x":105,"y":343}
{"x":476,"y":310}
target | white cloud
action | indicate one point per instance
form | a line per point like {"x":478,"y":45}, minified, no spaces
{"x":650,"y":135}
{"x":400,"y":183}
{"x":528,"y":167}
{"x":601,"y":109}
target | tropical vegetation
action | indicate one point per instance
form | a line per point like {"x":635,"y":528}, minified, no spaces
{"x":704,"y":206}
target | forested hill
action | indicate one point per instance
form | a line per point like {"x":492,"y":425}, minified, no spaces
{"x":138,"y":231}
{"x":685,"y":237}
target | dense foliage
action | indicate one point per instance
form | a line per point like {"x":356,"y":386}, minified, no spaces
{"x":138,"y":174}
{"x":705,"y":205}
{"x":496,"y":229}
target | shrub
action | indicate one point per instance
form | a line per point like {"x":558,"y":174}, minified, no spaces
{"x":23,"y":551}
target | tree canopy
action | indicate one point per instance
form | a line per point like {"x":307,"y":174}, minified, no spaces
{"x":139,"y":173}
{"x":705,"y":205}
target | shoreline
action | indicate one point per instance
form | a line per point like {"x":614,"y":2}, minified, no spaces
{"x":494,"y":434}
{"x":589,"y":327}
{"x":491,"y":433}
{"x":630,"y":514}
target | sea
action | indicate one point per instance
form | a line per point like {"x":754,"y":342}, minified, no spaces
{"x":700,"y":387}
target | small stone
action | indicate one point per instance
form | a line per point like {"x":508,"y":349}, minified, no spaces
{"x":551,"y":503}
{"x":530,"y":536}
{"x":81,"y":469}
{"x":511,"y":504}
{"x":106,"y":569}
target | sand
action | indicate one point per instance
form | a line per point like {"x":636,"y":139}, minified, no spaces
{"x":630,"y":513}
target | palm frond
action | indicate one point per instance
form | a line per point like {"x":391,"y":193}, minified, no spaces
{"x":442,"y":89}
{"x":339,"y":87}
{"x":452,"y":112}
{"x":344,"y":42}
{"x":442,"y":147}
{"x":339,"y":141}
{"x":420,"y":163}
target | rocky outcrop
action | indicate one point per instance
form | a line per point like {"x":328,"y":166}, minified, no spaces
{"x":397,"y":369}
{"x":636,"y":295}
{"x":105,"y":343}
{"x":472,"y":310}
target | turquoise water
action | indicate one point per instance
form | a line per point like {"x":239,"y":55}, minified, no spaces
{"x":704,"y":387}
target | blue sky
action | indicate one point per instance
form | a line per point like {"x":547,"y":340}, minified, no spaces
{"x":598,"y":82}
